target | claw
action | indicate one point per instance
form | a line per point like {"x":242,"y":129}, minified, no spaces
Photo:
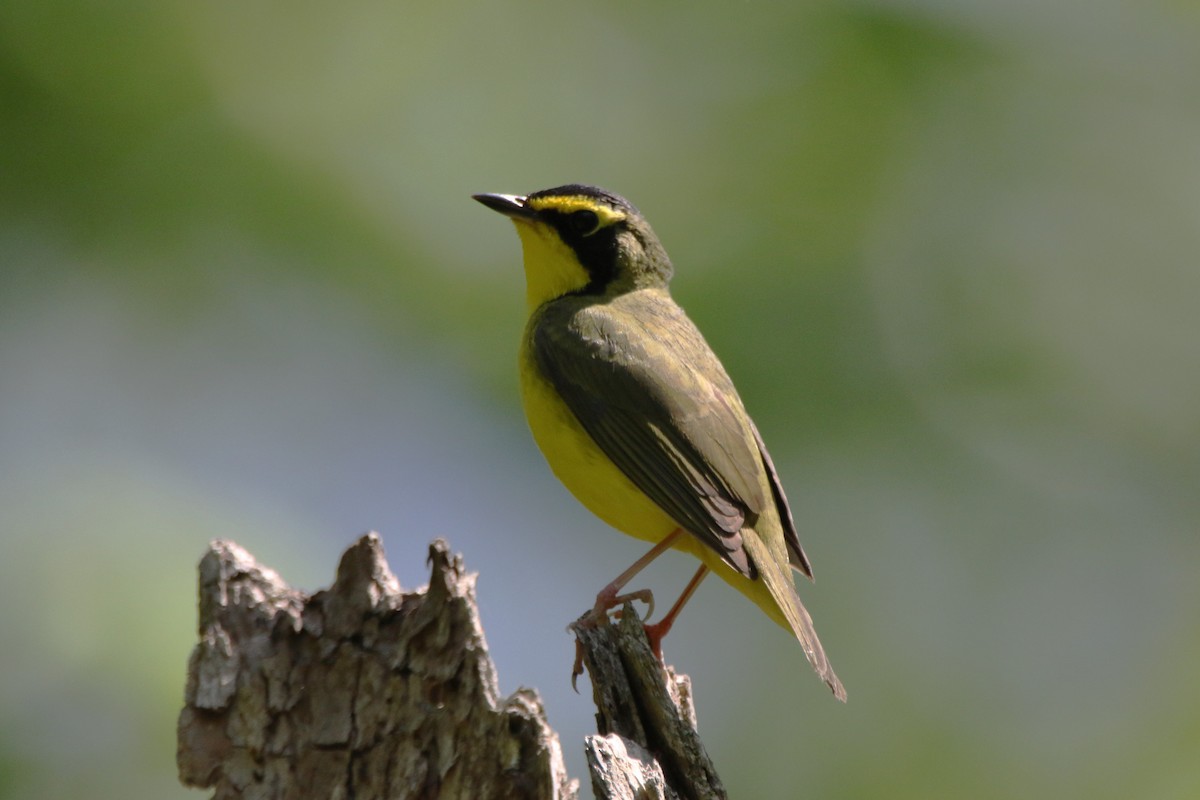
{"x":599,"y":613}
{"x":577,"y":667}
{"x":645,"y":595}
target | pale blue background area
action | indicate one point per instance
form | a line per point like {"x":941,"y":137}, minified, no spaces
{"x":947,"y":250}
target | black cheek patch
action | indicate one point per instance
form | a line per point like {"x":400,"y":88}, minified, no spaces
{"x":598,"y":255}
{"x":597,"y":252}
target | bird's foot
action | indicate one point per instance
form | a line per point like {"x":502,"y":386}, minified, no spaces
{"x":605,"y":602}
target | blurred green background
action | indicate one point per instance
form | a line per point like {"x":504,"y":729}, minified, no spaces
{"x":948,"y":250}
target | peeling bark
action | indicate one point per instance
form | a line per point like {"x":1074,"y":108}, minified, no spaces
{"x":359,"y":691}
{"x":369,"y":692}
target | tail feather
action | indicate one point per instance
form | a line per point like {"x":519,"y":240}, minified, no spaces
{"x":778,"y":581}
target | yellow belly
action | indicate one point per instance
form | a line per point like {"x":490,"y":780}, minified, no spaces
{"x":582,"y":466}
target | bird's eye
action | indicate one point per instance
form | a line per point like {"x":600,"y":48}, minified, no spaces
{"x":584,"y":222}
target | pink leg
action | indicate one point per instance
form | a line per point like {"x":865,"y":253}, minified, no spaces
{"x":608,"y":597}
{"x":658,"y":630}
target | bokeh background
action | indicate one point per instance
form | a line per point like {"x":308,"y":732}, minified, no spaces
{"x":948,"y":250}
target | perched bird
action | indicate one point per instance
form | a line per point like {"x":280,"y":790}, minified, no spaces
{"x":635,"y":414}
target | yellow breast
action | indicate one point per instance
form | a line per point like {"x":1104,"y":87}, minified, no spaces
{"x":581,"y":465}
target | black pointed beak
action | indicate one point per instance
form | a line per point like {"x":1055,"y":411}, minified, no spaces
{"x":510,"y":205}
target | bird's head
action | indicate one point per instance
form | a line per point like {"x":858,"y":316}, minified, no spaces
{"x":582,"y":240}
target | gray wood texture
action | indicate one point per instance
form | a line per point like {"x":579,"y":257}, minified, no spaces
{"x":366,"y":691}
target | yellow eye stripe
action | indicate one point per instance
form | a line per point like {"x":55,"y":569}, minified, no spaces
{"x":571,"y":203}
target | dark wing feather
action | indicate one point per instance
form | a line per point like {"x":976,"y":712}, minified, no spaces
{"x":796,"y":556}
{"x":661,"y":412}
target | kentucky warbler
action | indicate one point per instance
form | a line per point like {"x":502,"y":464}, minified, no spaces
{"x":635,"y":414}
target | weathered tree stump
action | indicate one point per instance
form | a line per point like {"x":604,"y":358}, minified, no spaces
{"x":645,"y":717}
{"x":365,"y":691}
